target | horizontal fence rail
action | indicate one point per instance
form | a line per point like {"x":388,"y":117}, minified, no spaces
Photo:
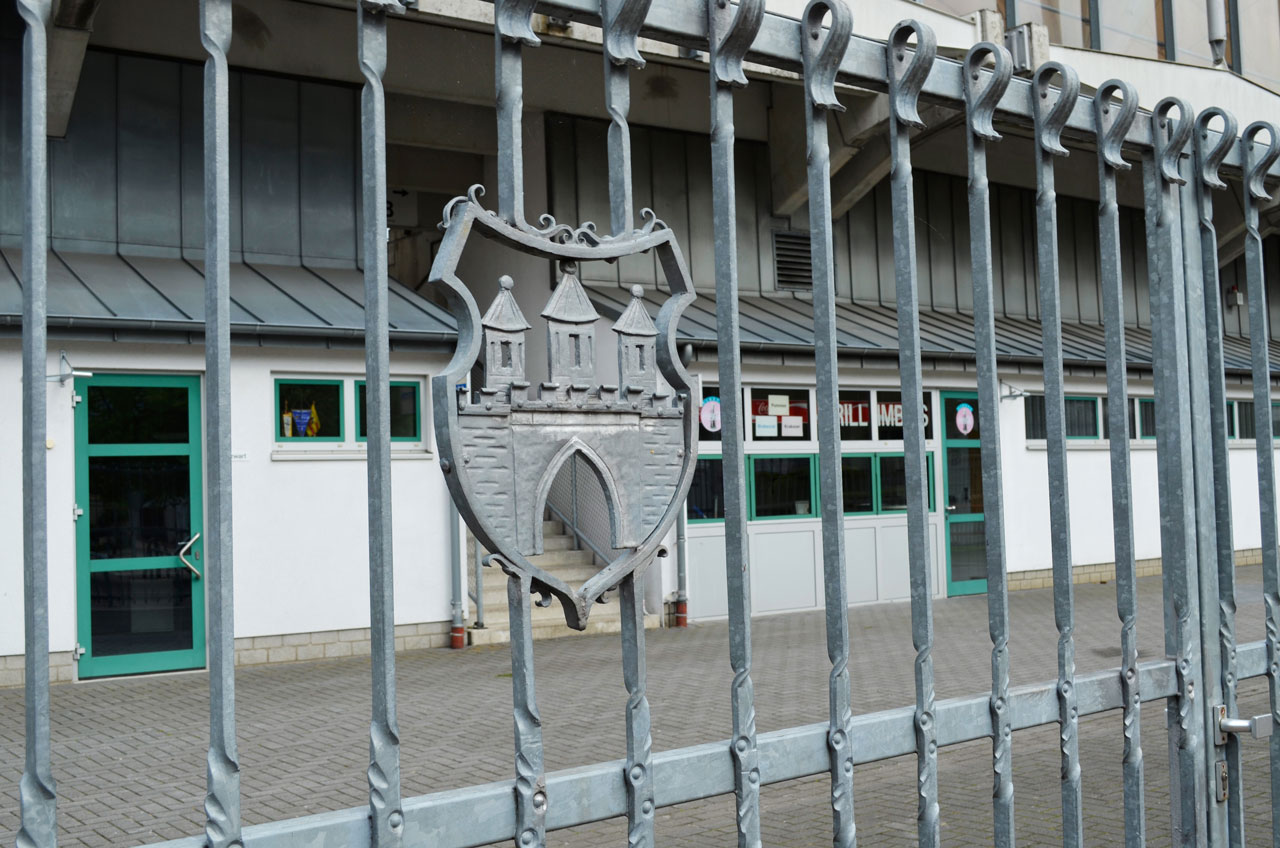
{"x":1182,"y":158}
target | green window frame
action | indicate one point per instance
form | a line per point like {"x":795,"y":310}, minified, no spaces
{"x":276,"y":428}
{"x":708,"y":458}
{"x":417,"y":412}
{"x":1097,"y":424}
{"x":751,"y":486}
{"x":880,"y":510}
{"x":875,"y":481}
{"x":1231,"y":419}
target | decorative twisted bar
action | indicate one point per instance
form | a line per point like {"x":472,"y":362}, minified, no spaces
{"x":821,"y":60}
{"x":386,"y":818}
{"x":1050,"y":118}
{"x":1209,"y":156}
{"x":222,"y":801}
{"x":907,"y":69}
{"x":37,"y":790}
{"x":639,"y":765}
{"x":1257,"y":165}
{"x":729,"y":44}
{"x":1113,"y":118}
{"x":981,"y":98}
{"x":622,"y":21}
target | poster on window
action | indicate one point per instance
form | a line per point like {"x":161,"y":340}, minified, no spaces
{"x":766,"y":427}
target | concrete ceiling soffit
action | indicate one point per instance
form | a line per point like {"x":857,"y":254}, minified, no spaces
{"x":68,"y":39}
{"x":441,"y":124}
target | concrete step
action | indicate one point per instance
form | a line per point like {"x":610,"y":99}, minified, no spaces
{"x":495,"y":582}
{"x":498,"y":632}
{"x":552,"y":528}
{"x":552,"y":559}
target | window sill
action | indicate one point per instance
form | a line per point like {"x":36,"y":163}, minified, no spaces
{"x":1134,"y":445}
{"x":345,"y":454}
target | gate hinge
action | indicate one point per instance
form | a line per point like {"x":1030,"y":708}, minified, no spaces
{"x":1259,"y":727}
{"x":76,"y":512}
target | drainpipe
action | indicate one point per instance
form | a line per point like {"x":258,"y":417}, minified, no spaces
{"x":682,"y":571}
{"x":458,"y":631}
{"x":1217,"y":31}
{"x":682,"y":523}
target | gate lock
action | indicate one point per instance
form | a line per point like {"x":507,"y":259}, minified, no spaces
{"x":1259,"y":727}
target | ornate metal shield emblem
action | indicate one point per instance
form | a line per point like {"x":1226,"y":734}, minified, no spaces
{"x":502,"y":443}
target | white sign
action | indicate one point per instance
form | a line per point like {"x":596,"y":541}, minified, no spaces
{"x":709,"y":415}
{"x":766,"y":427}
{"x":792,"y":426}
{"x":779,"y":405}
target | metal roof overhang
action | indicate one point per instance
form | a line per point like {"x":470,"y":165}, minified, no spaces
{"x":111,"y":291}
{"x":784,"y":323}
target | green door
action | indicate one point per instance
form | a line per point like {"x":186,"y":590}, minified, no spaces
{"x":962,"y":495}
{"x":140,"y":597}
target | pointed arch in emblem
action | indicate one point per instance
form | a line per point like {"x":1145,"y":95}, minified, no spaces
{"x":619,"y":524}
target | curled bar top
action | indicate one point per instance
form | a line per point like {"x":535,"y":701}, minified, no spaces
{"x":684,"y":23}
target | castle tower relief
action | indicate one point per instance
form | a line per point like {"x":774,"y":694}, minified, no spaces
{"x":571,"y":336}
{"x":637,"y":340}
{"x":504,"y":336}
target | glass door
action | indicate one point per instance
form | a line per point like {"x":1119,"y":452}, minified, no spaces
{"x":962,"y":490}
{"x":140,"y":596}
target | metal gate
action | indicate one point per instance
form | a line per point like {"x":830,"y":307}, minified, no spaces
{"x":1181,"y":156}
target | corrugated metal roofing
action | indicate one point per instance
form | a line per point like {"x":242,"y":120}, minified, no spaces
{"x":91,"y":289}
{"x":785,"y":322}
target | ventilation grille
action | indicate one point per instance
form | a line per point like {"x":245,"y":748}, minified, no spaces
{"x":792,"y":261}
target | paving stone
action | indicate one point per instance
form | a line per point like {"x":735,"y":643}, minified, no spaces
{"x":129,"y":754}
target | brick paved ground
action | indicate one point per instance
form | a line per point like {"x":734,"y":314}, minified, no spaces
{"x":129,"y":754}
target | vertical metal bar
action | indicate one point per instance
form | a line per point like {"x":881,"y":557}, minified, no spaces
{"x":729,"y":45}
{"x":639,"y":768}
{"x":980,"y":101}
{"x":1095,"y":24}
{"x":821,"y":59}
{"x":511,"y":32}
{"x":37,"y":789}
{"x":622,"y":21}
{"x":1257,"y":165}
{"x":1204,"y":553}
{"x":1176,"y":466}
{"x":531,"y":778}
{"x":1207,"y":161}
{"x":478,"y":565}
{"x":386,"y":818}
{"x":1049,"y":120}
{"x":222,"y":800}
{"x":907,"y":70}
{"x":1113,"y":119}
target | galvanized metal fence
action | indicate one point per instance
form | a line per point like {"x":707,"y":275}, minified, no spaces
{"x":1183,"y":158}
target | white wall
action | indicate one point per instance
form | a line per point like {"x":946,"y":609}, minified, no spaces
{"x":301,"y":545}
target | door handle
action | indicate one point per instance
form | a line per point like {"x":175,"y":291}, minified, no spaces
{"x":951,"y":507}
{"x":1259,"y":727}
{"x":182,"y":555}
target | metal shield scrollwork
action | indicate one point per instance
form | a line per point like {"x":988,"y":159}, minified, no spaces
{"x":502,"y":443}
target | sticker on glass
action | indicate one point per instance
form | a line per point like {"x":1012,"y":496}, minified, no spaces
{"x":964,"y":419}
{"x":710,"y":414}
{"x":779,"y":405}
{"x":792,"y":426}
{"x":766,"y":427}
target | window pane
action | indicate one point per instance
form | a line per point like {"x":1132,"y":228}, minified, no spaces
{"x":960,"y":418}
{"x":404,"y":411}
{"x":856,"y":483}
{"x":1134,"y":28}
{"x":309,"y":410}
{"x":139,"y":506}
{"x":1066,"y":20}
{"x":709,"y":414}
{"x":1147,"y":418}
{"x":1191,"y":32}
{"x":706,"y":495}
{"x":780,"y":415}
{"x":138,"y":415}
{"x":1082,"y":418}
{"x":1247,"y":428}
{"x":135,"y":612}
{"x":1033,"y":412}
{"x":893,"y":483}
{"x":855,"y":416}
{"x":968,"y":548}
{"x":1231,"y":419}
{"x":1259,"y":32}
{"x":964,"y":481}
{"x":889,"y":416}
{"x":782,"y":486}
{"x":1275,"y":420}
